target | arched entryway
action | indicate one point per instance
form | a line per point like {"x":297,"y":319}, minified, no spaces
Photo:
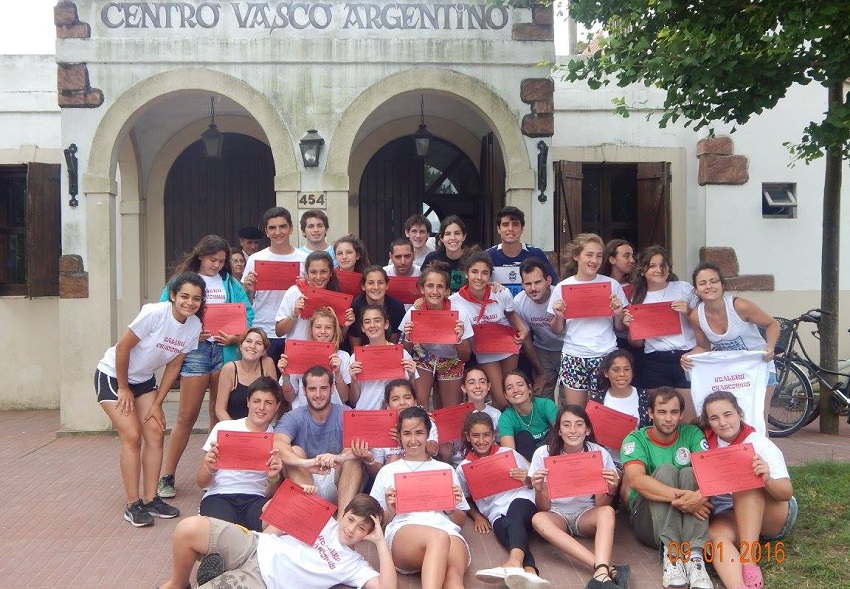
{"x":396,"y":184}
{"x":218,"y":196}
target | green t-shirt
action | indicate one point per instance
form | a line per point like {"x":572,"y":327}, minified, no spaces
{"x":641,"y":447}
{"x":543,"y":415}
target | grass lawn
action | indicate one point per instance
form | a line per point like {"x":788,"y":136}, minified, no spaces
{"x":817,"y":552}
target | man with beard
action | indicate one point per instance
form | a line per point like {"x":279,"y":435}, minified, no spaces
{"x":666,"y":508}
{"x":310,"y":442}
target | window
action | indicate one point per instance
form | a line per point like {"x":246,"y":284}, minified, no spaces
{"x":30,"y":231}
{"x":779,"y":201}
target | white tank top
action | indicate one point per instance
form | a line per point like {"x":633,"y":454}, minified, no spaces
{"x":740,"y":335}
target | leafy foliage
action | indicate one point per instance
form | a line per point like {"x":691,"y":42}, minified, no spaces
{"x":722,"y":60}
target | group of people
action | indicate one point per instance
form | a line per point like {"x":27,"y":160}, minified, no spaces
{"x":529,"y":401}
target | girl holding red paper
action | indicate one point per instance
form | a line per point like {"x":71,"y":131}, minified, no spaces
{"x":746,"y":518}
{"x":373,"y":283}
{"x":210,"y":258}
{"x":484,"y":304}
{"x":586,"y":340}
{"x":660,"y":364}
{"x":561,"y":520}
{"x":319,"y":269}
{"x":443,"y":363}
{"x":429,"y":542}
{"x":508,"y":513}
{"x":324,"y":327}
{"x":368,"y":394}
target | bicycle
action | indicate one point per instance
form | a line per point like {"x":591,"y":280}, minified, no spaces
{"x":795,"y":402}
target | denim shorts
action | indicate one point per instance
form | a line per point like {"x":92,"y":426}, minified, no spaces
{"x":203,"y":360}
{"x":571,"y":517}
{"x":771,"y":379}
{"x":793,"y":508}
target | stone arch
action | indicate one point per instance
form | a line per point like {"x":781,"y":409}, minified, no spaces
{"x":490,"y":106}
{"x":121,"y":115}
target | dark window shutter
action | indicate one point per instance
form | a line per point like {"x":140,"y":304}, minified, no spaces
{"x":44,"y":230}
{"x":654,"y":204}
{"x":568,"y":179}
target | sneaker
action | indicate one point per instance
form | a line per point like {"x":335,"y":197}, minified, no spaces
{"x":697,"y":575}
{"x":520,"y":579}
{"x":165,"y":488}
{"x":136,"y":514}
{"x":160,"y":508}
{"x":212,"y":566}
{"x":674,"y":576}
{"x":496,"y":574}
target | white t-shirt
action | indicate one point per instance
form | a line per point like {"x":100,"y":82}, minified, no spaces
{"x":215,"y":289}
{"x":295,"y":380}
{"x":496,"y":506}
{"x":442,"y":350}
{"x":628,"y":405}
{"x":494,"y":312}
{"x":769,"y":452}
{"x":678,"y":290}
{"x":385,"y":479}
{"x":372,"y":391}
{"x":226,"y":482}
{"x":538,"y":318}
{"x":267,"y":302}
{"x":571,"y":504}
{"x":589,"y":337}
{"x":301,"y":327}
{"x":381,"y":454}
{"x":286,"y":562}
{"x":390,"y":270}
{"x":161,"y":339}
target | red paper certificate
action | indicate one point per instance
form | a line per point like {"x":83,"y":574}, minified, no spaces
{"x":627,"y":288}
{"x":492,"y":338}
{"x":404,"y":288}
{"x":349,"y":282}
{"x":300,"y":515}
{"x":449,"y":421}
{"x":373,"y":427}
{"x":571,"y":475}
{"x":380,"y":362}
{"x":433,"y":327}
{"x":609,"y":426}
{"x":275,"y":275}
{"x":653,"y":320}
{"x":587,"y":300}
{"x":229,"y":318}
{"x":322,"y":297}
{"x":726,"y":470}
{"x":491,"y":475}
{"x":302,"y":355}
{"x":244,"y":450}
{"x":429,"y":490}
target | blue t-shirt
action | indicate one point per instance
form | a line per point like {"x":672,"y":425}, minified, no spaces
{"x":314,"y":438}
{"x":506,"y":270}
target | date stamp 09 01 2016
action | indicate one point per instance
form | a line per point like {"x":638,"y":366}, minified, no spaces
{"x":750,"y":552}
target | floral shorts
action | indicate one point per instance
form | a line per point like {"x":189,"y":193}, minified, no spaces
{"x":580,"y":374}
{"x":441,"y":368}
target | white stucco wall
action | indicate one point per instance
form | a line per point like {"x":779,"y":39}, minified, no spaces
{"x":29,"y":118}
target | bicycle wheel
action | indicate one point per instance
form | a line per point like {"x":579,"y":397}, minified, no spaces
{"x":792,"y":401}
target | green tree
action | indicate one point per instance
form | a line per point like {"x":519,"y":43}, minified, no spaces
{"x":727,"y":60}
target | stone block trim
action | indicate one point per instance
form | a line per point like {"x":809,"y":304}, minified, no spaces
{"x":539,"y":93}
{"x":542,"y":14}
{"x":75,"y":91}
{"x":723,"y":169}
{"x":724,"y":257}
{"x":727,"y":260}
{"x":532,"y":32}
{"x":73,"y":280}
{"x":68,"y":23}
{"x":716,"y":146}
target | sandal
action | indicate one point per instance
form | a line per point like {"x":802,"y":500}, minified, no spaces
{"x":753,"y":578}
{"x":601,"y":579}
{"x":621,"y":574}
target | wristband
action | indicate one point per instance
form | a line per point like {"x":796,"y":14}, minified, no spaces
{"x":370,"y":463}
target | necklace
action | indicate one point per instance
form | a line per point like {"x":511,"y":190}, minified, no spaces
{"x":407,"y":464}
{"x":530,"y":417}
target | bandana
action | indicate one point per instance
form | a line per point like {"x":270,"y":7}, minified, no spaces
{"x":472,"y":456}
{"x":465,"y":294}
{"x":711,"y":437}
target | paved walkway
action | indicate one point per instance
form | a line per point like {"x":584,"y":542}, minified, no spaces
{"x":61,"y":504}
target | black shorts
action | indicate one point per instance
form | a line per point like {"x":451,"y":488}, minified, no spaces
{"x":106,"y":387}
{"x":660,"y":369}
